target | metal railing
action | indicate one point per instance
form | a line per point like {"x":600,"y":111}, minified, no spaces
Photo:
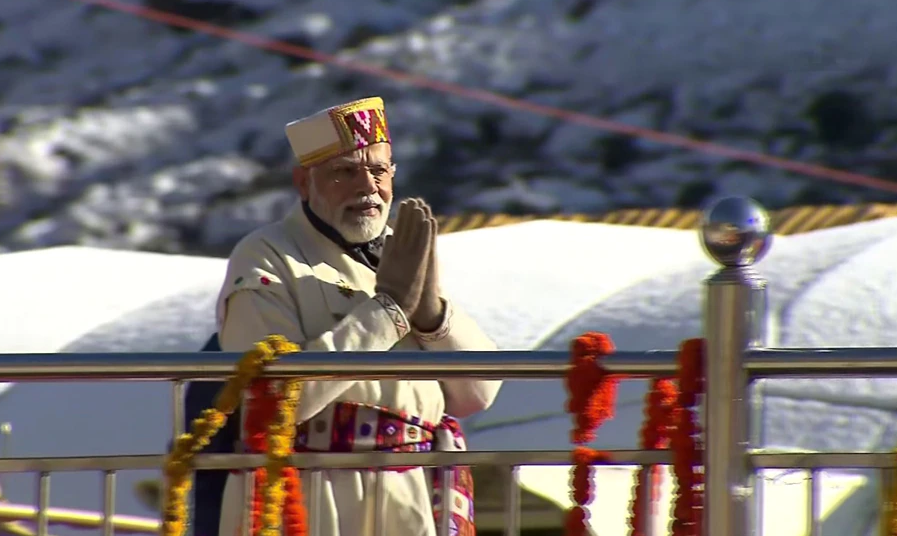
{"x":735,"y":233}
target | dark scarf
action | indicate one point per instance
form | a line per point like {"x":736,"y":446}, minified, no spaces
{"x":367,"y":253}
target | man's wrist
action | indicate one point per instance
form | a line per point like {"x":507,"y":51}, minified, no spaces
{"x":429,"y":317}
{"x":438,"y":326}
{"x":395,"y":312}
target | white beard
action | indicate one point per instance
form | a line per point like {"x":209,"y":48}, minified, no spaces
{"x":363,"y":229}
{"x":355,"y":230}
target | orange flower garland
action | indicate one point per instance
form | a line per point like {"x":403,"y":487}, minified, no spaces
{"x":178,"y":464}
{"x":655,"y":434}
{"x":262,"y":409}
{"x":670,"y":420}
{"x":687,"y":451}
{"x":593,"y":393}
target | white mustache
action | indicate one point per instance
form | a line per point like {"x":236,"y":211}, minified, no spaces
{"x":364,"y":200}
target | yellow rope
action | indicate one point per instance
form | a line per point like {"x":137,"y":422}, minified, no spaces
{"x":13,"y":513}
{"x":178,"y":465}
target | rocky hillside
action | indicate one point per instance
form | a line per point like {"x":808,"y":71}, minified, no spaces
{"x":126,"y":133}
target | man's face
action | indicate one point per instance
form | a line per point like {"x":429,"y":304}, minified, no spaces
{"x":352,"y":193}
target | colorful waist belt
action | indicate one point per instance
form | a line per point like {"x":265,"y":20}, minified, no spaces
{"x":350,"y":427}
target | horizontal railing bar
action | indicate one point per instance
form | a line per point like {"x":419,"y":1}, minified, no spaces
{"x":354,"y":460}
{"x":815,"y":362}
{"x":349,"y":460}
{"x":824,"y":460}
{"x":518,"y":364}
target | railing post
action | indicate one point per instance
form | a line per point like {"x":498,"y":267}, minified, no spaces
{"x":734,"y":233}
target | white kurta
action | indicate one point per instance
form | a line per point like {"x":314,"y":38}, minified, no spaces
{"x":288,"y":279}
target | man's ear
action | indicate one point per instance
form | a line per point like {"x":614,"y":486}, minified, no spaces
{"x":301,"y":179}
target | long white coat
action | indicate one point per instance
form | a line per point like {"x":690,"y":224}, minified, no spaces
{"x":288,"y":279}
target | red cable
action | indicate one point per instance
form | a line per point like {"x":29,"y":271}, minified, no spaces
{"x":497,"y":99}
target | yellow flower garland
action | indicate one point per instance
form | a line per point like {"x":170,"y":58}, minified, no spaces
{"x":178,"y":465}
{"x":281,"y":434}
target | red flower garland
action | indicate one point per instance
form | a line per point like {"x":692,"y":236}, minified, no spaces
{"x":593,"y":393}
{"x":260,"y":411}
{"x":655,"y":434}
{"x":295,"y":516}
{"x":687,"y":449}
{"x":671,"y":418}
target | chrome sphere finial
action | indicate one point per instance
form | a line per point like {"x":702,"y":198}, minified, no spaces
{"x":735,"y":232}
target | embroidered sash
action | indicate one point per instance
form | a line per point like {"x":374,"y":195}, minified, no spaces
{"x":350,"y":427}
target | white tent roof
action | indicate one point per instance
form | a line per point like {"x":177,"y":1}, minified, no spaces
{"x":640,"y":285}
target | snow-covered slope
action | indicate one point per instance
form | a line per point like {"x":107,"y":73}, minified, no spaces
{"x":627,"y":281}
{"x":120,"y":132}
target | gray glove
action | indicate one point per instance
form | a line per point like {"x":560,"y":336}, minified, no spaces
{"x":431,"y":309}
{"x":403,"y":263}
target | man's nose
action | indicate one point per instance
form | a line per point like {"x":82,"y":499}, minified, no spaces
{"x":366,"y":181}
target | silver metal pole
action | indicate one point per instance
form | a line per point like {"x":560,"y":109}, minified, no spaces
{"x":814,"y":509}
{"x":512,"y":502}
{"x":109,"y":503}
{"x":177,"y":429}
{"x":648,"y":505}
{"x":379,"y":504}
{"x":43,"y":504}
{"x":382,"y":460}
{"x":178,"y":420}
{"x":485,"y":365}
{"x":447,"y":475}
{"x":6,"y":432}
{"x":375,"y":459}
{"x":491,"y":365}
{"x":821,"y":362}
{"x":758,"y":441}
{"x":735,"y":233}
{"x":315,"y":499}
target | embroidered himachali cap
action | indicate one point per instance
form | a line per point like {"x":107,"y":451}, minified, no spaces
{"x":338,"y":130}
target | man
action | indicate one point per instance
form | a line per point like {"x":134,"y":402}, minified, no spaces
{"x":332,"y":277}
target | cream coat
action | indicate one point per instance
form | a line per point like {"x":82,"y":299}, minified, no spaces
{"x":288,"y":279}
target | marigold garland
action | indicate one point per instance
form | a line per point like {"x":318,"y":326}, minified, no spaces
{"x":655,"y":433}
{"x":271,"y":428}
{"x":670,"y":420}
{"x":688,"y":506}
{"x":178,"y":464}
{"x":593,"y":393}
{"x":261,"y":409}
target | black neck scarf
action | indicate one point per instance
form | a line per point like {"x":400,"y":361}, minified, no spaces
{"x":367,"y":253}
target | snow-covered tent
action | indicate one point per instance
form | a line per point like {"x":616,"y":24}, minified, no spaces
{"x":641,"y":285}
